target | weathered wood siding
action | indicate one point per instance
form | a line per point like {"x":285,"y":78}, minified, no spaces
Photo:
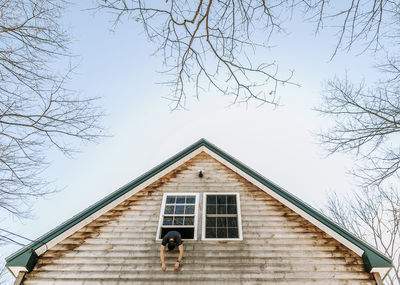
{"x":278,"y":247}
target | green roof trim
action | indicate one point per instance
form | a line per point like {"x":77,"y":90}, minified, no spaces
{"x":372,"y":257}
{"x":26,"y":256}
{"x":26,"y":259}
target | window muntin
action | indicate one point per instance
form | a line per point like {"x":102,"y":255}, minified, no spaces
{"x":179,"y":210}
{"x":221,"y":216}
{"x":179,"y":213}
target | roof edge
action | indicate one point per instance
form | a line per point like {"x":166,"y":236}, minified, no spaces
{"x":372,"y":257}
{"x":375,"y":258}
{"x":11,"y":260}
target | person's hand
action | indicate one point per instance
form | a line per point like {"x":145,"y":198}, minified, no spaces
{"x":176,"y":267}
{"x":163,"y":267}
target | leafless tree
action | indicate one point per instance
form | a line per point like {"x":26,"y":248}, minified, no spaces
{"x":373,"y":216}
{"x":366,"y":114}
{"x":210,"y":44}
{"x":207,"y":42}
{"x":372,"y":23}
{"x":367,"y":121}
{"x":37,"y":110}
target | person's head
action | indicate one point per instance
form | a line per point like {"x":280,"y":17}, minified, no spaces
{"x":171,"y":244}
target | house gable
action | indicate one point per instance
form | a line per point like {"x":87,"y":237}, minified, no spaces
{"x":278,"y":245}
{"x":372,"y":259}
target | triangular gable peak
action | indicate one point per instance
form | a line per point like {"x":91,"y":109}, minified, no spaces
{"x":25,"y":259}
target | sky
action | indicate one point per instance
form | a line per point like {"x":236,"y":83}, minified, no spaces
{"x":118,"y":67}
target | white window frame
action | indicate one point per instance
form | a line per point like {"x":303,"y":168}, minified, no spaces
{"x":196,"y":211}
{"x":239,"y":216}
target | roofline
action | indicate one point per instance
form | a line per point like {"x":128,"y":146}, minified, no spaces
{"x":372,"y":257}
{"x":368,"y":249}
{"x":100,"y":204}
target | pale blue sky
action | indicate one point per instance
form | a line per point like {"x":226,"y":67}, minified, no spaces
{"x":118,"y":67}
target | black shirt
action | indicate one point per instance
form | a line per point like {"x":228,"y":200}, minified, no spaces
{"x":172,"y":234}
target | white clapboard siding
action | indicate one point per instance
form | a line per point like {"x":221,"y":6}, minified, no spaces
{"x":278,"y":246}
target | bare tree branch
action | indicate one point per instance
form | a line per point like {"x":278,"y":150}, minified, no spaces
{"x":209,"y":43}
{"x":367,"y":122}
{"x":37,"y":110}
{"x":373,"y":216}
{"x":366,"y":116}
{"x":206,"y":45}
{"x":369,"y":22}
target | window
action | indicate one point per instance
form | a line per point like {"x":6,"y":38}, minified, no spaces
{"x":179,"y":213}
{"x":221,"y":216}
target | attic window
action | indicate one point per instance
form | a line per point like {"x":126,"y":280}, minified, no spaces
{"x":221,"y":217}
{"x":179,"y":213}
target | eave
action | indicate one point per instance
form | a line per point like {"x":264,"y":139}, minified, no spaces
{"x":25,"y":258}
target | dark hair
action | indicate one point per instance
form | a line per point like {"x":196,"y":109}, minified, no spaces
{"x":171,"y":246}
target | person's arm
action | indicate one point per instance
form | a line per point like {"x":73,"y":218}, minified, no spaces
{"x":179,"y":257}
{"x":163,"y":266}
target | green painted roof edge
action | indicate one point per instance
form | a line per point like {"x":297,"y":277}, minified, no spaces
{"x":373,"y":257}
{"x":103,"y":202}
{"x":27,"y":259}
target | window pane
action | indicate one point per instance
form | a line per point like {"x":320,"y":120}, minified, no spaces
{"x":224,"y":223}
{"x":189,"y":221}
{"x":190,"y":199}
{"x":179,"y":209}
{"x":211,"y":209}
{"x":231,"y":199}
{"x":211,"y":222}
{"x":211,"y":233}
{"x":232,"y":222}
{"x":221,"y":209}
{"x":178,"y":214}
{"x":211,"y":199}
{"x":180,"y":200}
{"x":167,"y":221}
{"x":169,"y":210}
{"x":171,"y":199}
{"x":221,"y":199}
{"x":221,"y":222}
{"x":231,"y":209}
{"x":178,"y":220}
{"x":233,"y":233}
{"x":221,"y":233}
{"x":189,"y":209}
